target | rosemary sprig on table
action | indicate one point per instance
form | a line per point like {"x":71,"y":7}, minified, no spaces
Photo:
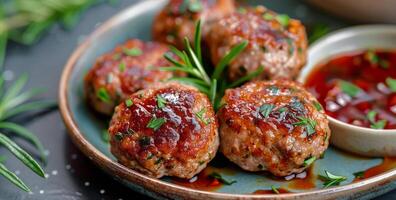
{"x":12,"y":103}
{"x":190,"y":62}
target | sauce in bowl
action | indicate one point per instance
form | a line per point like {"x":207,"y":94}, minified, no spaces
{"x":358,"y":88}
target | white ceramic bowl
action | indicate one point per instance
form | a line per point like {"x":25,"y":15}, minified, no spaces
{"x":359,"y":140}
{"x":379,"y":11}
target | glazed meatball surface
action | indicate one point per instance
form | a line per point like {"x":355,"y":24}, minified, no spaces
{"x":167,"y":130}
{"x":178,"y":19}
{"x":127,"y":69}
{"x":274,"y":126}
{"x":276,"y":43}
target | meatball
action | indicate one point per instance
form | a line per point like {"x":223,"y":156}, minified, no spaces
{"x":167,"y":130}
{"x":127,"y":69}
{"x":275,"y":42}
{"x":177,"y":20}
{"x":276,"y":126}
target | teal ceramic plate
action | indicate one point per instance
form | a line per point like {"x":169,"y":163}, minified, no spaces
{"x":85,"y":129}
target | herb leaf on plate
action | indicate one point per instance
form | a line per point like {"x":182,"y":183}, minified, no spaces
{"x":331,"y":179}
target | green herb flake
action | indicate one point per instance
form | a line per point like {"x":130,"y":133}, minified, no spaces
{"x":380,"y":124}
{"x":195,"y":6}
{"x":359,"y":174}
{"x":309,"y":161}
{"x":156,"y":123}
{"x":122,"y":66}
{"x":118,"y":136}
{"x":150,"y":156}
{"x":268,"y":16}
{"x":266,"y":109}
{"x":331,"y":179}
{"x":372,"y":57}
{"x":128,"y":103}
{"x":384,"y":64}
{"x":144,"y":141}
{"x":283,"y":20}
{"x":318,"y":31}
{"x":158,"y":161}
{"x":200,"y":115}
{"x":242,"y":10}
{"x":218,"y":176}
{"x":161,"y":102}
{"x":391,"y":83}
{"x":308,"y":123}
{"x":282,"y":110}
{"x":317,"y":105}
{"x":103,"y":95}
{"x":132,"y":52}
{"x":130,"y":131}
{"x":349,"y":88}
{"x":274,"y":189}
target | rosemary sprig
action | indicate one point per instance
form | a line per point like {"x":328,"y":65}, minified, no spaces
{"x":12,"y":103}
{"x":190,"y":62}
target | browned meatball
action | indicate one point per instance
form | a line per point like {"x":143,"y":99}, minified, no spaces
{"x":177,"y":20}
{"x":168,"y":130}
{"x":128,"y":68}
{"x":273,"y":126}
{"x":276,"y":43}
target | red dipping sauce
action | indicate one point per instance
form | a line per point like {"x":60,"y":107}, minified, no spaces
{"x":358,"y":88}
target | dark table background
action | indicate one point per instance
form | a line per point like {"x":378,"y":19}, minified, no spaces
{"x":70,"y":174}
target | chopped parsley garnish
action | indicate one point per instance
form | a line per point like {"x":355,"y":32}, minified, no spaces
{"x":359,"y":174}
{"x":122,"y":66}
{"x":372,"y":57}
{"x":133,"y":51}
{"x":274,"y":189}
{"x":158,"y":161}
{"x":242,"y":10}
{"x":268,"y":16}
{"x":128,"y":103}
{"x":282,"y":110}
{"x":103,"y":95}
{"x":161,"y":102}
{"x":218,"y":176}
{"x":384,"y":63}
{"x":266,"y":109}
{"x":349,"y":88}
{"x":273,"y":89}
{"x":308,"y":123}
{"x":144,"y":141}
{"x":200,"y":116}
{"x":391,"y":83}
{"x":283,"y":19}
{"x":118,"y":136}
{"x":150,"y":156}
{"x":195,"y":6}
{"x":317,"y":105}
{"x":309,"y":161}
{"x":331,"y":179}
{"x":380,"y":124}
{"x":156,"y":123}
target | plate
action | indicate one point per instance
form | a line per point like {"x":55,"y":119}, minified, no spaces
{"x":85,"y":129}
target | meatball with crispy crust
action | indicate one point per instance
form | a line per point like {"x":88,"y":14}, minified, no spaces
{"x":177,"y":20}
{"x":168,"y":130}
{"x":127,"y":69}
{"x":276,"y":126}
{"x":276,"y":43}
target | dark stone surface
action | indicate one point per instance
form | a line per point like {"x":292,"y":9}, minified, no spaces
{"x":70,"y":174}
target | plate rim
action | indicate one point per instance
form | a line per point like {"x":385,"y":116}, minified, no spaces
{"x":156,"y":185}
